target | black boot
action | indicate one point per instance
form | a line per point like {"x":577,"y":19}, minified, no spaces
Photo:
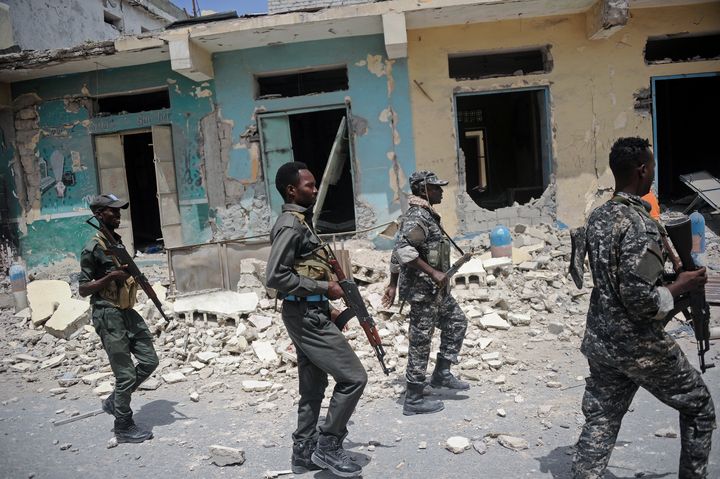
{"x":416,"y":404}
{"x":329,"y":454}
{"x":301,"y":461}
{"x":108,"y":404}
{"x":127,"y":431}
{"x":443,"y":378}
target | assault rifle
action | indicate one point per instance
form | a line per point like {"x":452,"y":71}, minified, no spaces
{"x":693,"y":304}
{"x":122,"y":258}
{"x":356,"y":307}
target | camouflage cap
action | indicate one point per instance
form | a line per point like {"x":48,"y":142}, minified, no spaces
{"x":426,"y":176}
{"x":107,"y":201}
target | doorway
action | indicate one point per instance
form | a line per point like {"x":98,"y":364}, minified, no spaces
{"x":684,"y":130}
{"x":139,"y":166}
{"x":505,"y":140}
{"x":142,"y":190}
{"x":315,"y":138}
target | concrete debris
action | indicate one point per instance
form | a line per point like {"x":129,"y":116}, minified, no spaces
{"x":70,"y":316}
{"x":226,"y":456}
{"x":493,"y":321}
{"x":265,"y":353}
{"x":480,"y":447}
{"x":104,"y":389}
{"x":150,"y":384}
{"x":512,"y":442}
{"x":227,"y":304}
{"x":194,"y":396}
{"x":457,"y":444}
{"x":256,"y":386}
{"x":44,"y":297}
{"x":174,"y":377}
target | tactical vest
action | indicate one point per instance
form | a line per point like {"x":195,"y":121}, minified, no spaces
{"x":436,"y":249}
{"x":123,"y":296}
{"x":317,"y":265}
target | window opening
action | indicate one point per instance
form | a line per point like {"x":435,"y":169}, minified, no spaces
{"x":685,"y":138}
{"x":503,"y":138}
{"x":131,"y":103}
{"x":489,"y":65}
{"x":685,"y":48}
{"x":302,"y":83}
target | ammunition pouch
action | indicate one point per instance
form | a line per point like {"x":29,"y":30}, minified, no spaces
{"x":439,"y":255}
{"x":122,"y":296}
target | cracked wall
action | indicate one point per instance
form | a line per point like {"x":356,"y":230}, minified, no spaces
{"x":55,"y":170}
{"x":381,"y":121}
{"x":594,"y":89}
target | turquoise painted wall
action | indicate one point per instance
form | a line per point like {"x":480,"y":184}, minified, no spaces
{"x":375,"y":84}
{"x":67,"y":127}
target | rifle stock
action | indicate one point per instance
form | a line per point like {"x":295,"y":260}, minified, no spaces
{"x":694,"y":306}
{"x":122,"y":257}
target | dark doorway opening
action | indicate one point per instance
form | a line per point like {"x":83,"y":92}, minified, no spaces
{"x":142,"y":188}
{"x":312,"y":135}
{"x":504,"y":138}
{"x":685,"y":141}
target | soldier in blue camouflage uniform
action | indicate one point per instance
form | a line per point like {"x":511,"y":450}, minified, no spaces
{"x":625,"y":342}
{"x":420,"y":258}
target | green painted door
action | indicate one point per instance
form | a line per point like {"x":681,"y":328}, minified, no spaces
{"x":276,"y":144}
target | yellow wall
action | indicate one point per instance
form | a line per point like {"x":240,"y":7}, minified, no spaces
{"x":591,"y":92}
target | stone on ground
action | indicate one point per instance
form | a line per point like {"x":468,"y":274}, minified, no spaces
{"x":457,"y":444}
{"x":226,"y":456}
{"x":71,"y":315}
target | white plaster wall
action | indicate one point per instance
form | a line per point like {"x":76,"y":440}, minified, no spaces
{"x":279,"y":6}
{"x":46,"y":24}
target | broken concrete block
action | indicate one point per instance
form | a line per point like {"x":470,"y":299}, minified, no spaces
{"x":70,"y":316}
{"x":221,"y":303}
{"x":93,"y":378}
{"x":44,"y":297}
{"x":265,"y":353}
{"x":512,"y":442}
{"x":252,"y":385}
{"x":529,"y":266}
{"x":22,"y":367}
{"x":490,"y":356}
{"x":484,"y":342}
{"x":226,"y":456}
{"x":491,"y":264}
{"x":207,"y":356}
{"x":105,"y":388}
{"x":517,"y":319}
{"x":26,"y":357}
{"x":173,"y":377}
{"x":261,"y":323}
{"x":520,"y":255}
{"x":53,"y":362}
{"x":236,"y":344}
{"x":457,"y":444}
{"x":150,"y":384}
{"x":493,"y":320}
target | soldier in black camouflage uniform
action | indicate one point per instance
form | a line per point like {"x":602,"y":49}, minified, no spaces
{"x":420,"y":258}
{"x":625,"y":342}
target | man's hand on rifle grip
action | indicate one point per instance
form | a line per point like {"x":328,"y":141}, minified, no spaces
{"x":440,"y":278}
{"x":334,"y":290}
{"x":120,"y":275}
{"x":389,"y":296}
{"x":688,"y":281}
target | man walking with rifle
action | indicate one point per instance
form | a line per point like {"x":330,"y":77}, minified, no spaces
{"x":420,"y":260}
{"x":122,"y":330}
{"x":625,"y":342}
{"x":299,"y":269}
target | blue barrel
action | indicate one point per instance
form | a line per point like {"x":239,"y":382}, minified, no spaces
{"x":500,"y":242}
{"x":697,"y":226}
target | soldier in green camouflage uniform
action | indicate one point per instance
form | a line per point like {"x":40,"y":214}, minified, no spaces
{"x":419,"y":261}
{"x":625,"y":342}
{"x":122,"y":330}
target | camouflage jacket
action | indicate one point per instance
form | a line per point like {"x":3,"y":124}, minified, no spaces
{"x":418,"y":236}
{"x":628,"y":303}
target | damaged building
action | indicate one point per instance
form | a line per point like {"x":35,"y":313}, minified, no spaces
{"x":516,"y":103}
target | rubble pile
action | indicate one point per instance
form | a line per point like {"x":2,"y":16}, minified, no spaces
{"x":212,"y":335}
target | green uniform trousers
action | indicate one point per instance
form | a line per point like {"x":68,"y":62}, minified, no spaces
{"x":321,"y":350}
{"x":124,"y":333}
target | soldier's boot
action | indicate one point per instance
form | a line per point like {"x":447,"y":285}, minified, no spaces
{"x":108,"y":404}
{"x":329,"y":454}
{"x":443,"y":378}
{"x":301,"y":461}
{"x":127,"y":431}
{"x":416,"y":404}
